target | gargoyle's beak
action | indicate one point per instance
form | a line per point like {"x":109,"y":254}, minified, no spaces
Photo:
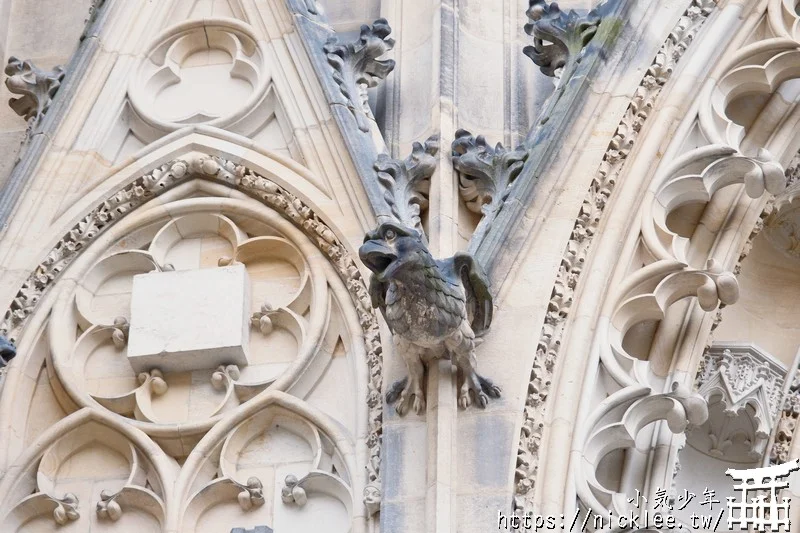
{"x":377,"y":256}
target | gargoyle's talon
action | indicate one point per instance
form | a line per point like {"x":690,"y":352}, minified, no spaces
{"x":483,"y":400}
{"x":465,"y":400}
{"x":396,"y":390}
{"x":419,"y":404}
{"x":491,"y":390}
{"x":402,"y":406}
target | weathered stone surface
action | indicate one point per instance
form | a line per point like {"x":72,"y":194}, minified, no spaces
{"x":189,"y":320}
{"x":36,"y":86}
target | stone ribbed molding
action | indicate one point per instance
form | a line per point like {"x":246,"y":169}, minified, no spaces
{"x":356,"y":67}
{"x":733,"y":377}
{"x":558,"y":37}
{"x":581,"y":238}
{"x":36,"y":86}
{"x":214,"y":168}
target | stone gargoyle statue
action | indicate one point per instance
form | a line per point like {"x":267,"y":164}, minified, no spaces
{"x":435,"y":308}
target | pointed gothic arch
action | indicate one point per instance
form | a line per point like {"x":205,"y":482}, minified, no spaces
{"x":199,"y":173}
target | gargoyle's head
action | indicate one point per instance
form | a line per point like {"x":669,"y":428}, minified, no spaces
{"x":392,"y":249}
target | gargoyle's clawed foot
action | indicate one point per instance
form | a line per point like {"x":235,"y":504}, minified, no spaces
{"x":410,"y":400}
{"x":406,"y":396}
{"x":396,"y":390}
{"x":477,"y":389}
{"x":491,"y":390}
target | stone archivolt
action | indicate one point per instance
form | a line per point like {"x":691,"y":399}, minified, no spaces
{"x":294,"y":334}
{"x":581,"y":238}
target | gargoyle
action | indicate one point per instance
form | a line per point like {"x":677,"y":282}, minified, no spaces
{"x":435,"y":309}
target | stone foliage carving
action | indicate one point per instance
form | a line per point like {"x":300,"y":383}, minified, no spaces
{"x":486,"y":175}
{"x":356,"y":67}
{"x":582,"y":235}
{"x":406,"y":183}
{"x":558,"y":37}
{"x":219,"y":170}
{"x":786,"y":423}
{"x":731,"y":378}
{"x":37,"y":88}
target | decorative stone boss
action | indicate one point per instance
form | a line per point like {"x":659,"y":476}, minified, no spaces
{"x":436,"y":308}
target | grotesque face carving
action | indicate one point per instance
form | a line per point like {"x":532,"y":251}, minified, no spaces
{"x":391,"y":249}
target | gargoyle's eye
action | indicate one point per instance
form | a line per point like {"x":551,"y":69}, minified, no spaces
{"x":389,"y":235}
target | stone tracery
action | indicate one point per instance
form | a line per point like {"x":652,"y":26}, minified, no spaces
{"x":103,"y":313}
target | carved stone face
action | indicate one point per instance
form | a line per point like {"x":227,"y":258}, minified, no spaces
{"x":391,"y":249}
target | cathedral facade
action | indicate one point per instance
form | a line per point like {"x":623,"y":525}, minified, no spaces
{"x":426,"y":266}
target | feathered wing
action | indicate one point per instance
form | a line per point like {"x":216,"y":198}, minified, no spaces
{"x":476,"y":287}
{"x":377,"y":294}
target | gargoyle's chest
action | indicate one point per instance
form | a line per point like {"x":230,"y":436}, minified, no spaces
{"x":422,"y":314}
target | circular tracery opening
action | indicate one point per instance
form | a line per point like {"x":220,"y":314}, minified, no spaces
{"x":203,"y":72}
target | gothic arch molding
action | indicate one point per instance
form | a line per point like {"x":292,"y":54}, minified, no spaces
{"x":194,"y":171}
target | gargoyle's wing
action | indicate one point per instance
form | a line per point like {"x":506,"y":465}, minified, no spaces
{"x":377,"y":293}
{"x":476,"y":286}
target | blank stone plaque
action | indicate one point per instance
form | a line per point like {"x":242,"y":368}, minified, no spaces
{"x":189,"y":319}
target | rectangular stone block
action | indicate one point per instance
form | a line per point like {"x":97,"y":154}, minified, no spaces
{"x":189,"y":319}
